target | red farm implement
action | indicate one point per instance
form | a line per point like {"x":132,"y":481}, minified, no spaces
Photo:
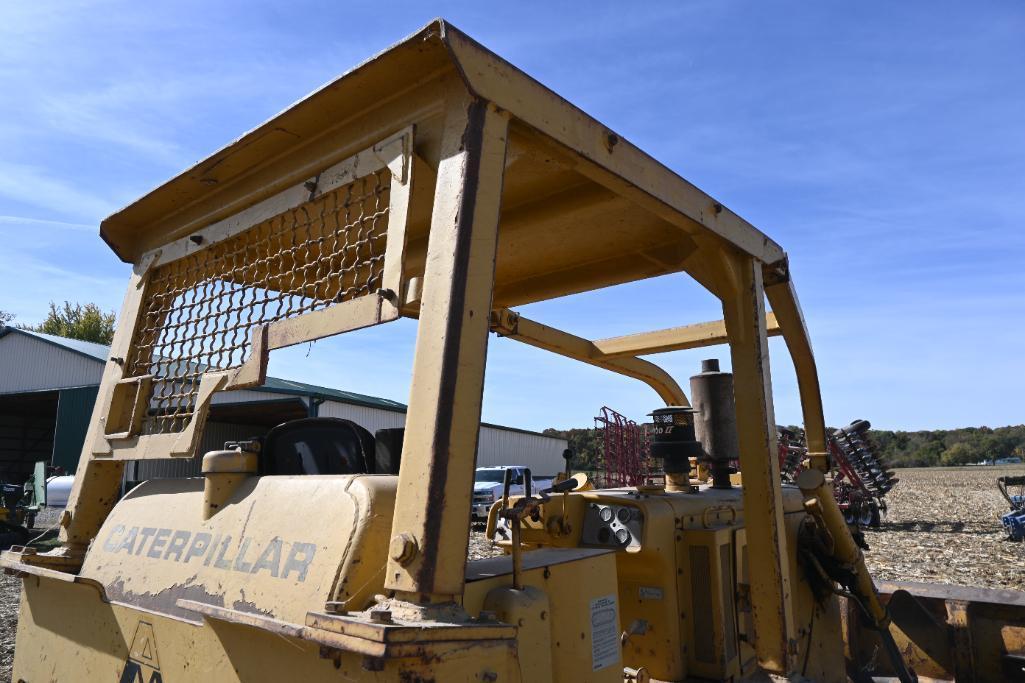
{"x":624,"y":450}
{"x":861,"y":477}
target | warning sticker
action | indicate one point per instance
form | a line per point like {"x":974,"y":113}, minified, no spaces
{"x":142,"y":665}
{"x":649,"y":593}
{"x":604,"y":633}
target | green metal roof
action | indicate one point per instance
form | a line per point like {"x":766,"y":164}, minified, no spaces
{"x":286,"y":386}
{"x":97,"y":352}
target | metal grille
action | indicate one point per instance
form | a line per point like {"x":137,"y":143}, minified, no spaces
{"x":199,"y":312}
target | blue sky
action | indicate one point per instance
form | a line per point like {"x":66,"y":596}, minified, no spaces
{"x":882,"y":144}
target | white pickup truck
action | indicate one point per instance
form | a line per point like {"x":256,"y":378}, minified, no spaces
{"x":487,"y":487}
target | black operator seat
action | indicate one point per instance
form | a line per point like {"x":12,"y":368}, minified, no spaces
{"x":318,"y":445}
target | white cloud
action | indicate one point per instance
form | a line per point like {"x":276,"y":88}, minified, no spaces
{"x":23,"y":221}
{"x":54,"y":283}
{"x":36,"y":187}
{"x":104,"y":115}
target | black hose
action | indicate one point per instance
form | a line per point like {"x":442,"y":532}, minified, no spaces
{"x":807,"y":650}
{"x":893,"y":653}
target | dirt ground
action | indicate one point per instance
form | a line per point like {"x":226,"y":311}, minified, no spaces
{"x":943,"y":526}
{"x":10,"y":593}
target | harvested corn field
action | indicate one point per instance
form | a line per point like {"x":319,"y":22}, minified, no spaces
{"x":943,"y":526}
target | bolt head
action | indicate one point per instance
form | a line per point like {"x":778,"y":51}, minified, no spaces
{"x":403,"y":548}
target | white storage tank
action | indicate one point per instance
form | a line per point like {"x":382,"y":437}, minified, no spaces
{"x":58,"y":490}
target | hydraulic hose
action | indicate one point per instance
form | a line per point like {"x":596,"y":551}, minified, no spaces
{"x":844,"y":550}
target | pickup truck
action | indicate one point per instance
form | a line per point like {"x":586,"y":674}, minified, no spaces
{"x":487,"y":487}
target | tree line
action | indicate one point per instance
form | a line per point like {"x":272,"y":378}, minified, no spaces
{"x":948,"y":447}
{"x":75,"y":321}
{"x":926,"y":448}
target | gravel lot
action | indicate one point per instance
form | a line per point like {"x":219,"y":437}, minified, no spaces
{"x":480,"y":546}
{"x":10,"y":594}
{"x":10,"y":588}
{"x":943,"y":526}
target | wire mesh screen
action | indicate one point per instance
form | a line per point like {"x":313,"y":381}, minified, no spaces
{"x":199,"y":312}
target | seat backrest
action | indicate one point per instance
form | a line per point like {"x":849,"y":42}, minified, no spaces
{"x":388,"y":443}
{"x":318,"y":445}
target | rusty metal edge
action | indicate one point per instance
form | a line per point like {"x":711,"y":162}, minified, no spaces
{"x":940,"y":591}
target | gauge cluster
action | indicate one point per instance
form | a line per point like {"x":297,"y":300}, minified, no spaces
{"x":612,"y":526}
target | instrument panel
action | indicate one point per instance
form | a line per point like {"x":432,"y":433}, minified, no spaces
{"x":612,"y":526}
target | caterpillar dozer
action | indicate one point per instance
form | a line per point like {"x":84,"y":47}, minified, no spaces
{"x":437,"y":182}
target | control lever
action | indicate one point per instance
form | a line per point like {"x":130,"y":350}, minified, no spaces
{"x":558,"y":525}
{"x":525,"y":506}
{"x":563,"y":486}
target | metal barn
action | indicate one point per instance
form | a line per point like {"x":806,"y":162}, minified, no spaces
{"x":48,"y":387}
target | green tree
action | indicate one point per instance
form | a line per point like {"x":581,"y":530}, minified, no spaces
{"x":959,"y":454}
{"x":585,"y":444}
{"x":86,"y":322}
{"x":926,"y":455}
{"x":996,"y":445}
{"x":5,"y":318}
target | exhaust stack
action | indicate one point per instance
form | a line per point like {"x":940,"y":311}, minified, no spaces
{"x":715,"y":420}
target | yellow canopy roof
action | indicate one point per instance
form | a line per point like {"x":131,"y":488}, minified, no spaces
{"x":600,"y":210}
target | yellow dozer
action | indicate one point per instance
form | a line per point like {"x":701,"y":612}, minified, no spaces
{"x":439,"y":183}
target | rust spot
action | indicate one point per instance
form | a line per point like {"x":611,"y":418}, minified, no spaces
{"x":611,"y":140}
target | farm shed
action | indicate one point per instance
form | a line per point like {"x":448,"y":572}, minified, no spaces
{"x":48,"y":386}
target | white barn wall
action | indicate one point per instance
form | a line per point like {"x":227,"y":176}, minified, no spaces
{"x":370,"y":419}
{"x":214,"y":436}
{"x":28,"y":364}
{"x":542,"y":454}
{"x":247,"y":396}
